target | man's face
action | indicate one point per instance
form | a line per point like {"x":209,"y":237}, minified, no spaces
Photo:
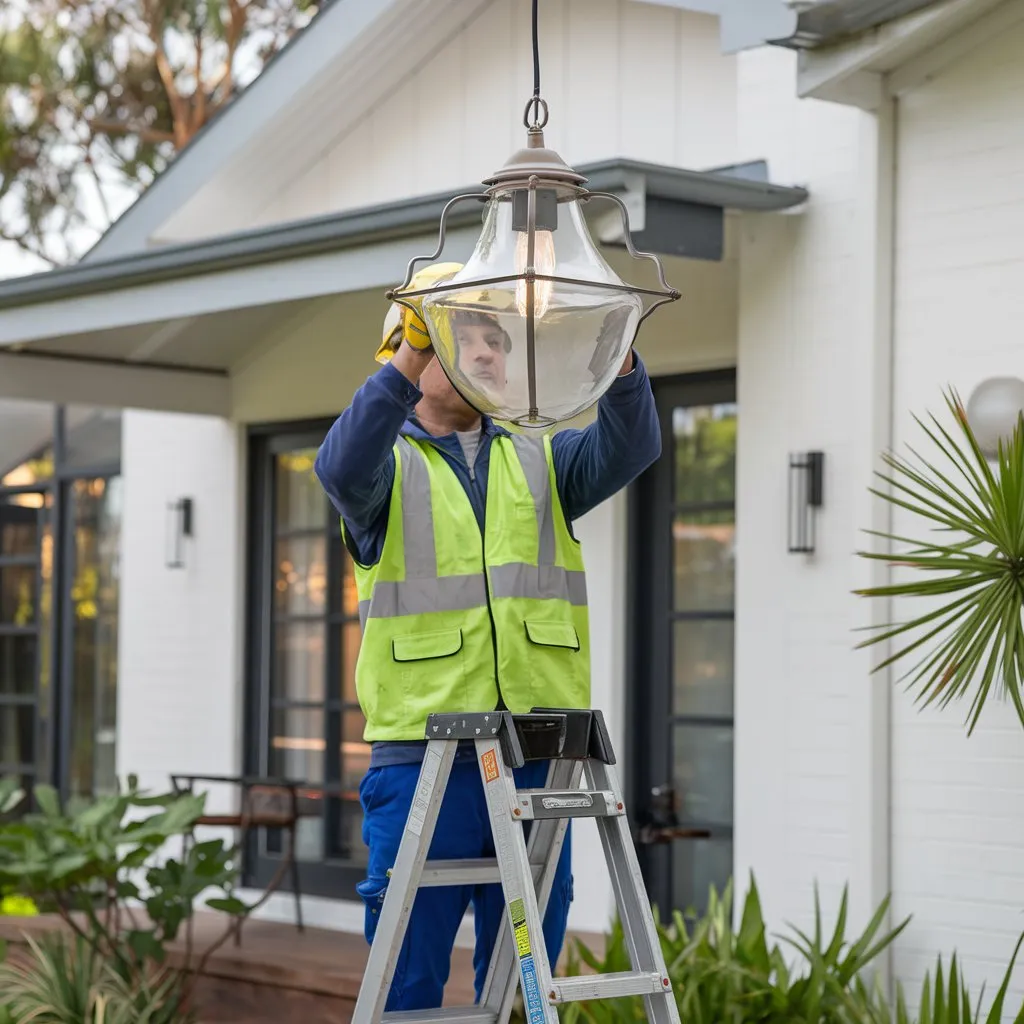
{"x":481,"y":349}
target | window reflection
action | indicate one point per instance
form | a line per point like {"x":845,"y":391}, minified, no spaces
{"x":705,"y":452}
{"x":81,"y":607}
{"x":315,"y":726}
{"x":702,"y":611}
{"x":32,"y":471}
{"x":301,"y":586}
{"x":95,"y":509}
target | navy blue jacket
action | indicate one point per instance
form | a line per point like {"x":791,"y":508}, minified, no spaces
{"x":356,"y":463}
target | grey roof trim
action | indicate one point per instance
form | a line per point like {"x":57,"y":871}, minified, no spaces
{"x":797,"y":24}
{"x":826,"y":22}
{"x":741,"y":188}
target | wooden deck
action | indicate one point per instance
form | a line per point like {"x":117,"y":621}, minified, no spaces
{"x":277,"y":974}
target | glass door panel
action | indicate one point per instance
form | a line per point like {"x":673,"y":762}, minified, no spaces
{"x":684,"y":549}
{"x":90,"y":629}
{"x":24,"y":634}
{"x":309,"y":719}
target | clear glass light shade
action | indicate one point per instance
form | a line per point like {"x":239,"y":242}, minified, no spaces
{"x":533,"y":363}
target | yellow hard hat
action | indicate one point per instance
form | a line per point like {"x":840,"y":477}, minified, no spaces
{"x":395,"y":319}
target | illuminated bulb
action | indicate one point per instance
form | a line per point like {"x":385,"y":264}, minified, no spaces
{"x":543,"y":263}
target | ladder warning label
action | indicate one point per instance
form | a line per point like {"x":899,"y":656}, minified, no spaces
{"x":518,"y":914}
{"x":531,"y":993}
{"x":490,"y":763}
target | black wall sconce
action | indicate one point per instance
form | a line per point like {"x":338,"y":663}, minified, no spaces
{"x":179,"y":526}
{"x":806,"y":493}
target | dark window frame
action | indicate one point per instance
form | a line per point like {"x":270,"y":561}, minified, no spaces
{"x":52,"y":726}
{"x":649,"y":714}
{"x":330,"y":877}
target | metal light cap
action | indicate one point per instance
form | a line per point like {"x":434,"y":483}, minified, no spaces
{"x":535,"y":161}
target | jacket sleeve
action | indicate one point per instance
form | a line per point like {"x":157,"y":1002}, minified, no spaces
{"x":594,"y":463}
{"x":356,"y":462}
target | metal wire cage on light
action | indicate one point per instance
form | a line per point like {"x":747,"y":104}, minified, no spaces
{"x":534,"y":328}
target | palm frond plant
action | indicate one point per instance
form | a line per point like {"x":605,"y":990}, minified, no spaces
{"x":967,"y":639}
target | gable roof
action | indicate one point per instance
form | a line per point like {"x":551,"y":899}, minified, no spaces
{"x":347,"y":50}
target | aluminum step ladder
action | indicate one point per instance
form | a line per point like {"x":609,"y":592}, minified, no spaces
{"x":576,"y":743}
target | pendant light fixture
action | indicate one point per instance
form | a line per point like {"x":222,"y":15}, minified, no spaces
{"x":534,"y":328}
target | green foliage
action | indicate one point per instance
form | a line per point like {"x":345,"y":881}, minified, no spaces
{"x":949,"y":1002}
{"x":968,"y":634}
{"x":65,"y":981}
{"x":93,"y":862}
{"x":11,"y":795}
{"x":97,"y":96}
{"x":724,"y":975}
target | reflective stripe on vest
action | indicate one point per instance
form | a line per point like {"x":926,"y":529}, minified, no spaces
{"x":423,"y":591}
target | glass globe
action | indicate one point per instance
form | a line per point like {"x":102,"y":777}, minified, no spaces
{"x":537,"y":363}
{"x":993,"y":411}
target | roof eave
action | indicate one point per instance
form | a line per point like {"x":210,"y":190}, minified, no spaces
{"x":891,"y":58}
{"x":743,"y":188}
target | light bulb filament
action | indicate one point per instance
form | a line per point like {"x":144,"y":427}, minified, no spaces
{"x":543,"y":263}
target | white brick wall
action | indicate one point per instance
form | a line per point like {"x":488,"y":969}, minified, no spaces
{"x":179,"y":694}
{"x":958,"y":803}
{"x":808,"y":362}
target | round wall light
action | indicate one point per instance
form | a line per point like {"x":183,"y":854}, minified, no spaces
{"x":993,"y":411}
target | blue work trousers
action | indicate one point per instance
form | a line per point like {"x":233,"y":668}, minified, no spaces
{"x":463,"y":830}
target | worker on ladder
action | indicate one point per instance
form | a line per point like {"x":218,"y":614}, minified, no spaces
{"x":472,"y":597}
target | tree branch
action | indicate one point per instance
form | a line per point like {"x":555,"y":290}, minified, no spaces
{"x":26,"y":246}
{"x":237,"y":923}
{"x":91,"y":164}
{"x":179,"y":111}
{"x":198,"y":118}
{"x":154,"y":135}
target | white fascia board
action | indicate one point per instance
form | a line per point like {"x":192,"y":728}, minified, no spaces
{"x":743,"y":24}
{"x":856,"y":72}
{"x":311,"y":55}
{"x":73,"y":381}
{"x":350,"y":270}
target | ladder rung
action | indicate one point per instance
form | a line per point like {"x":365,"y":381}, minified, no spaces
{"x":567,"y":803}
{"x":469,"y":871}
{"x":447,"y":1015}
{"x":608,"y":986}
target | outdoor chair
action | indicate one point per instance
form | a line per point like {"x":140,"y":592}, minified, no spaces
{"x":264,"y":803}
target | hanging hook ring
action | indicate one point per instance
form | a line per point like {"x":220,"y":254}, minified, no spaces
{"x":537,"y":105}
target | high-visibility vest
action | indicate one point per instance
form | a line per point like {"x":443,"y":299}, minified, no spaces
{"x":458,"y":621}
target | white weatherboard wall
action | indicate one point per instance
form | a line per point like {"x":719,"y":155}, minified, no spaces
{"x":958,"y":802}
{"x":807,"y":751}
{"x":622,"y":79}
{"x":179,"y":693}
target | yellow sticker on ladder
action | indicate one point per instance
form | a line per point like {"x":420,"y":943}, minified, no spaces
{"x":517,"y":911}
{"x":523,"y":940}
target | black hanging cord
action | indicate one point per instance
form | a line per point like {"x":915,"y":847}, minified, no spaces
{"x":536,"y":64}
{"x":536,"y":108}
